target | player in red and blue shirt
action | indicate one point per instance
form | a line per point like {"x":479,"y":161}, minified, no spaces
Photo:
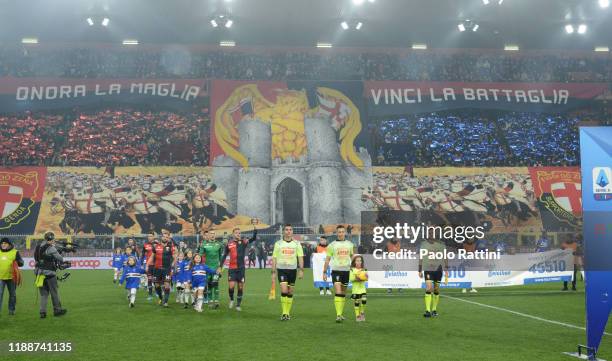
{"x":147,"y":253}
{"x":236,"y":250}
{"x":163,"y":261}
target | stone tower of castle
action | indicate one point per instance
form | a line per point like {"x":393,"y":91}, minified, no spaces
{"x":331,"y":188}
{"x":254,"y":182}
{"x":324,"y":172}
{"x":225,"y":175}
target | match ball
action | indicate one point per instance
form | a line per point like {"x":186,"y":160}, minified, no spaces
{"x":362,"y":276}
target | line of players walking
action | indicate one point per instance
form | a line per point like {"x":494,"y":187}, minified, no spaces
{"x":196,"y":274}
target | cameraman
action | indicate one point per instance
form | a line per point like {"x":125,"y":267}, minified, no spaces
{"x":47,"y":258}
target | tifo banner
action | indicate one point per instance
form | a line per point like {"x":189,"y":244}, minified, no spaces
{"x":123,"y":200}
{"x":77,"y":263}
{"x":290,"y":152}
{"x":559,"y":198}
{"x":21,"y":191}
{"x":503,"y":198}
{"x":86,"y":200}
{"x":27,"y":94}
{"x":403,"y":97}
{"x":551,"y":266}
{"x":285,"y":107}
{"x":596,"y":166}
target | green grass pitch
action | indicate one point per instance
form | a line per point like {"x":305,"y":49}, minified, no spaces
{"x":102,"y":327}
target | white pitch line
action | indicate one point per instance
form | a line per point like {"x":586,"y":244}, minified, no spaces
{"x":407,"y":293}
{"x":520,"y":314}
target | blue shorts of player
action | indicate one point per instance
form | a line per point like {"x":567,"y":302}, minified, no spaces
{"x":199,"y":274}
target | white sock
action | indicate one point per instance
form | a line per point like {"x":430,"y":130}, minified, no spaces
{"x":199,"y":302}
{"x":133,"y":295}
{"x":180,"y":295}
{"x":188,"y":296}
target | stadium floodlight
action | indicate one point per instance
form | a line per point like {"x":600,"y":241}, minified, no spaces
{"x":371,"y":1}
{"x":582,"y":28}
{"x":485,"y":2}
{"x":358,"y":2}
{"x":130,"y":42}
{"x":105,"y":22}
{"x":569,"y":28}
{"x":90,"y":21}
{"x":221,"y":20}
{"x":228,"y":43}
{"x":324,"y":45}
{"x":468,"y":24}
{"x":511,"y":47}
{"x":602,"y":49}
{"x":419,"y":46}
{"x":351,"y":24}
{"x":500,"y":2}
{"x":29,"y":41}
{"x":604,"y":3}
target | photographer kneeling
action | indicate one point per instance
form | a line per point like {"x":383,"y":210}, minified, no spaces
{"x":48,"y":260}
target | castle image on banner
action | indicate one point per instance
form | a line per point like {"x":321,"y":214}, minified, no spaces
{"x":289,"y":165}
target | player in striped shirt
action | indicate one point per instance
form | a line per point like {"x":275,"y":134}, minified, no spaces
{"x":286,"y":258}
{"x":118,"y":263}
{"x":199,"y":280}
{"x":163,"y":261}
{"x":235,"y":249}
{"x":147,"y":252}
{"x":132,"y":273}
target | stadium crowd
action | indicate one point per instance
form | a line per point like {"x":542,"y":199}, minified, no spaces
{"x":101,"y":138}
{"x":119,"y":136}
{"x":477,"y":139}
{"x":29,"y":139}
{"x":125,"y":137}
{"x":300,"y":64}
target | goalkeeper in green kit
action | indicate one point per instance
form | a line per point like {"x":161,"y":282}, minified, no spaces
{"x":211,"y":250}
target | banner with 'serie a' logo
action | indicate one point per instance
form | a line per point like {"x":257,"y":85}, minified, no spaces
{"x":596,"y":167}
